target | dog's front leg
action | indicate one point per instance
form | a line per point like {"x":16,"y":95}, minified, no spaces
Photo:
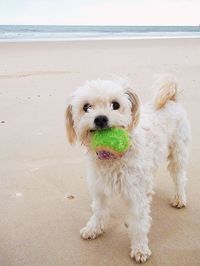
{"x":139,"y":226}
{"x":97,"y":223}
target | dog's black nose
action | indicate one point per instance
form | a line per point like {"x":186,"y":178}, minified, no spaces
{"x":101,"y":121}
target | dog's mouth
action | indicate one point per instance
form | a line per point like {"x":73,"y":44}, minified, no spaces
{"x":105,"y":155}
{"x":97,"y":129}
{"x":92,"y":130}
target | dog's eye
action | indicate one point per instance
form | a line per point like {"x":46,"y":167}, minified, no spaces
{"x":115,"y":105}
{"x":86,"y":107}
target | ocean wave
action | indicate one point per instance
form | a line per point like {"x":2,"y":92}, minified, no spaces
{"x":26,"y":32}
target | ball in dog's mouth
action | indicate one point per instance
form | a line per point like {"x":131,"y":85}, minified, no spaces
{"x":110,"y":143}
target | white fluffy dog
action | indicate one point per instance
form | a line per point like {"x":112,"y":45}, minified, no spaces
{"x":159,"y":130}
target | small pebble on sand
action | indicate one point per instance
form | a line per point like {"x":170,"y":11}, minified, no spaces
{"x":70,"y":197}
{"x":126,"y":225}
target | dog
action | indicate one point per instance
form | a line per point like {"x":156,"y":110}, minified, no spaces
{"x":159,"y":130}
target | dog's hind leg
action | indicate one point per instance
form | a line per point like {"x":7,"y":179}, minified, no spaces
{"x":178,"y":160}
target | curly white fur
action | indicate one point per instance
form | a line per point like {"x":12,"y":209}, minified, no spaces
{"x":163,"y":132}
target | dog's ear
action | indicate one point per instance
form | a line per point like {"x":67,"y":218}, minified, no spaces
{"x":71,"y":134}
{"x":135,"y":107}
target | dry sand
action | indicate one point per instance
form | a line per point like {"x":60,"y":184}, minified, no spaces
{"x":39,"y":221}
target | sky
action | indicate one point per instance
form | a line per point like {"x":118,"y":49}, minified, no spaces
{"x":100,"y":12}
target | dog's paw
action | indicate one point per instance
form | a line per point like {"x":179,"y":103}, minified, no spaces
{"x":178,"y":202}
{"x":90,"y":233}
{"x":140,"y":255}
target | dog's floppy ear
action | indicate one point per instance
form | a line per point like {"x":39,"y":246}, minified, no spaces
{"x":135,"y":106}
{"x":71,"y":134}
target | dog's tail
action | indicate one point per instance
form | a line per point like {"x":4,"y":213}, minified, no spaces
{"x":167,"y":90}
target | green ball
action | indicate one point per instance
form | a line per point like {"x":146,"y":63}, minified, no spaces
{"x":114,"y":140}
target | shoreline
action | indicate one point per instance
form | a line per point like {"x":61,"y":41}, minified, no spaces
{"x":98,"y":39}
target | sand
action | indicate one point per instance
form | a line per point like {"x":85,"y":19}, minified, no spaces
{"x":44,"y":200}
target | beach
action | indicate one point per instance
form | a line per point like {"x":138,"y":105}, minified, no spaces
{"x":44,"y":200}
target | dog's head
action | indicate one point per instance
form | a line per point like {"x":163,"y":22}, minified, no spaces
{"x":100,"y":104}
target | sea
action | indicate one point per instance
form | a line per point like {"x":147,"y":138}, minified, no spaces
{"x":59,"y":33}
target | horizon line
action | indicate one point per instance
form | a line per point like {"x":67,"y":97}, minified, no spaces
{"x":106,"y":25}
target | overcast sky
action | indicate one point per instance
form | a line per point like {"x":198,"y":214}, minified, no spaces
{"x":100,"y":12}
